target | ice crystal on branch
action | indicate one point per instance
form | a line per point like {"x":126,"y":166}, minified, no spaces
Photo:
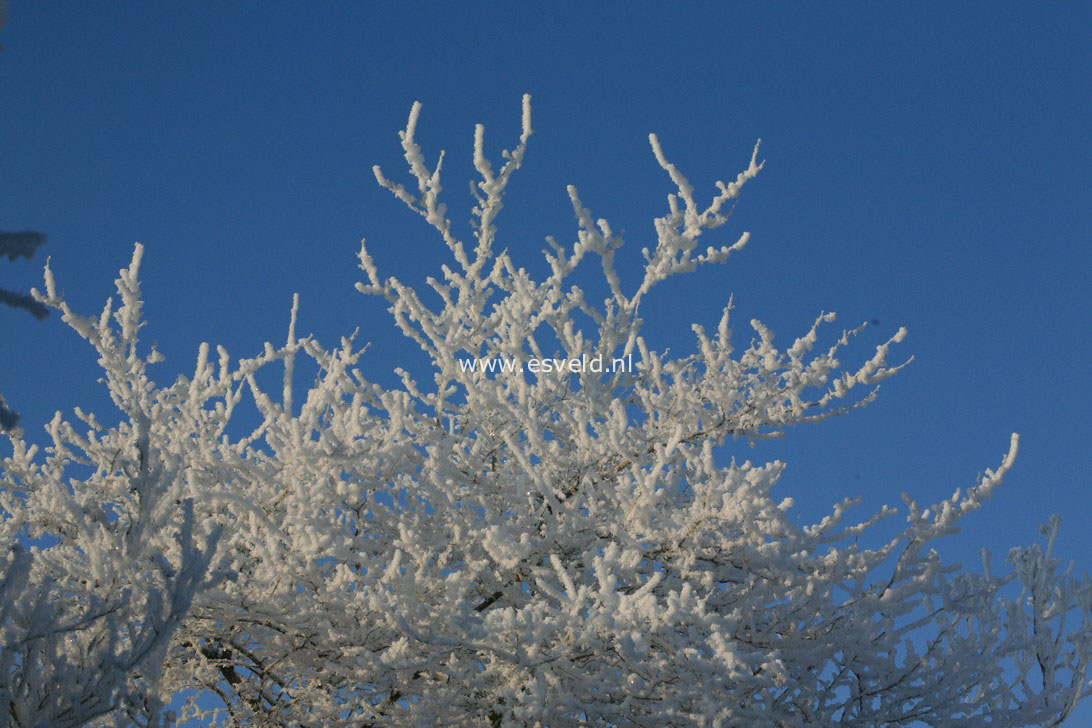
{"x":508,"y":548}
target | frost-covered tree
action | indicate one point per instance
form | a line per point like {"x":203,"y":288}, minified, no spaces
{"x":93,"y":584}
{"x":495,"y":547}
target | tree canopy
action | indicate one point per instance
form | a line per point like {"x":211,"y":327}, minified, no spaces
{"x":498,"y":547}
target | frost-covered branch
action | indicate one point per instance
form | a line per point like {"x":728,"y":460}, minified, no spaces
{"x":507,"y":547}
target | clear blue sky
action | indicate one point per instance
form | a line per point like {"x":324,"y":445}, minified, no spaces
{"x":927,"y":166}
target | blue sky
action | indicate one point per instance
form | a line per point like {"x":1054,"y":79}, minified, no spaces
{"x":927,"y":167}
